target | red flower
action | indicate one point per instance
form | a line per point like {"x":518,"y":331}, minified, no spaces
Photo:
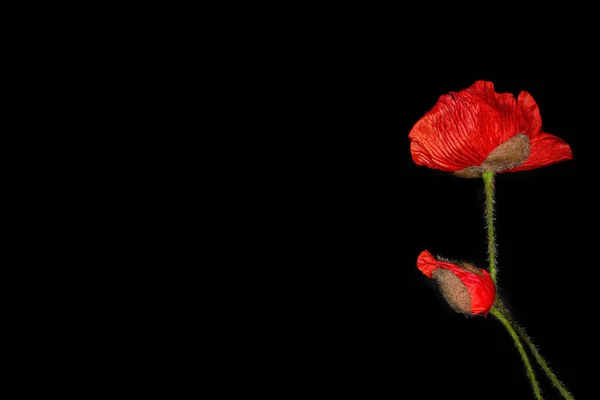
{"x":477,"y":130}
{"x":468,"y":289}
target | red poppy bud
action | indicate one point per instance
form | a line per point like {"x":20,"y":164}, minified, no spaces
{"x":468,"y":289}
{"x":477,"y":130}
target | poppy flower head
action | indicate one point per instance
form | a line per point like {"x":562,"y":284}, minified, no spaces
{"x":477,"y":130}
{"x":466,"y":288}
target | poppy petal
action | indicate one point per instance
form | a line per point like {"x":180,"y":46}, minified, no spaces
{"x":524,"y":112}
{"x":446,"y":138}
{"x":426,"y":263}
{"x":546,"y":149}
{"x":531,"y":120}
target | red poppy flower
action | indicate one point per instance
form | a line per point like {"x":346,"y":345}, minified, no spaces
{"x":468,"y":289}
{"x":477,"y":130}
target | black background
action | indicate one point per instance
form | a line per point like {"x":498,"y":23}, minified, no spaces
{"x":365,"y":320}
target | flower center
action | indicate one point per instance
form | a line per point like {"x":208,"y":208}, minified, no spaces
{"x":509,"y":154}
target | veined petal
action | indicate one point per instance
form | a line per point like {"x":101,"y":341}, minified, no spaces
{"x":531,"y":120}
{"x":546,"y":149}
{"x":448,"y":137}
{"x":482,"y":290}
{"x":505,"y":102}
{"x":523,"y":114}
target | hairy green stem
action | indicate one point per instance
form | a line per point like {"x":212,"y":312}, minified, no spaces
{"x":502,"y":314}
{"x":534,"y":383}
{"x":553,"y":378}
{"x":488,"y":179}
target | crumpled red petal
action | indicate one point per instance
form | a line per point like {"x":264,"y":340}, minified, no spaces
{"x":426,"y":263}
{"x":482,"y":290}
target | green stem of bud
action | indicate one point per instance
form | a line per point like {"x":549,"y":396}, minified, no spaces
{"x":534,"y":383}
{"x":557,"y":384}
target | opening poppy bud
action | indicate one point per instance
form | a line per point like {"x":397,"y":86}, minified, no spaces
{"x":466,"y":288}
